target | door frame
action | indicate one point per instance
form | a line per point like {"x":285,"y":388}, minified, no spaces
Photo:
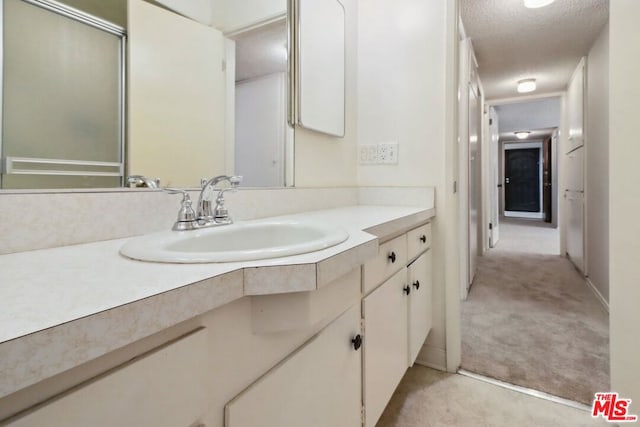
{"x":514,"y":145}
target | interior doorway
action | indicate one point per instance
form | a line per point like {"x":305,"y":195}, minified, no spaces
{"x":528,"y":299}
{"x":522,"y":181}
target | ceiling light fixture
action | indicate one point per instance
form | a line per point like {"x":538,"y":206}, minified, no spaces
{"x":534,"y":4}
{"x":526,"y":85}
{"x":522,"y":134}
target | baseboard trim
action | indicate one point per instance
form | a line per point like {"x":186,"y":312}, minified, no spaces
{"x":518,"y":214}
{"x":598,"y":295}
{"x":527,"y":391}
{"x":432,"y":357}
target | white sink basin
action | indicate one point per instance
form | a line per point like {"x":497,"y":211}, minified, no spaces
{"x":237,"y":242}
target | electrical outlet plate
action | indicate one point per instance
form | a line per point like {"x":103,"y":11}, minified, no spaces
{"x":392,"y":153}
{"x":377,"y":154}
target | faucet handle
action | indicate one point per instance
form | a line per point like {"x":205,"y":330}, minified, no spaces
{"x":235,"y":180}
{"x":186,"y":215}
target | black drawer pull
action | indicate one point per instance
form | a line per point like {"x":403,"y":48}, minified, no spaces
{"x":407,"y":289}
{"x":392,"y":257}
{"x":416,"y":284}
{"x":423,"y":238}
{"x":357,"y":342}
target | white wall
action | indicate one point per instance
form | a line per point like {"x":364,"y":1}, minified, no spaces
{"x":199,"y":10}
{"x":403,"y":83}
{"x":597,"y":168}
{"x":624,"y":196}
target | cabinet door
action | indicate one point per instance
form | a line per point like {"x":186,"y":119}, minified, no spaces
{"x":165,"y":388}
{"x":420,"y":303}
{"x":385,"y":355}
{"x":318,"y":385}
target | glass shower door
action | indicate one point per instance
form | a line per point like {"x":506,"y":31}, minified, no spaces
{"x":62,"y":99}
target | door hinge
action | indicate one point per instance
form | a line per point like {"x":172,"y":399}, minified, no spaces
{"x":362,"y":414}
{"x":224,"y":65}
{"x":490,"y":226}
{"x":490,"y":122}
{"x":362,"y":327}
{"x":455,"y":187}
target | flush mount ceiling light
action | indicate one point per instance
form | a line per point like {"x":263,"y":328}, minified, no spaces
{"x":534,"y":4}
{"x":526,"y":85}
{"x":522,"y":134}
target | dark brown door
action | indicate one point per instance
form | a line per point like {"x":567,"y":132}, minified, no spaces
{"x":522,"y":180}
{"x":546,"y":180}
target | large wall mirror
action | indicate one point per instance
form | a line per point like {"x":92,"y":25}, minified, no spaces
{"x":202,"y":98}
{"x":94,"y":91}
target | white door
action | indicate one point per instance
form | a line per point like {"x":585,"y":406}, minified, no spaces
{"x":574,"y":196}
{"x":474,"y":179}
{"x":176,"y":114}
{"x":495,"y":177}
{"x":575,"y":228}
{"x":260,"y":130}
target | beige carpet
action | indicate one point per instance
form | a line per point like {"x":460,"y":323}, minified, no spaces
{"x":531,"y":320}
{"x":428,"y":398}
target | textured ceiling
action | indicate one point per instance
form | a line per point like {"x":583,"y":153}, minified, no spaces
{"x":512,"y":42}
{"x":540,"y":117}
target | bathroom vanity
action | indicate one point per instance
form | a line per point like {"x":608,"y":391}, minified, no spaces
{"x":317,"y":339}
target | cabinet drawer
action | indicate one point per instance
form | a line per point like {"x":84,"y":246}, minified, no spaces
{"x":165,"y":388}
{"x":418,"y":240}
{"x":318,"y":386}
{"x":392,"y":256}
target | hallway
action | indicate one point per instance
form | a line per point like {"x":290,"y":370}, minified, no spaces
{"x":531,"y":319}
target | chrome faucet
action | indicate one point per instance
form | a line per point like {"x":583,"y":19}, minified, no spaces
{"x":219,"y":215}
{"x":188,"y":219}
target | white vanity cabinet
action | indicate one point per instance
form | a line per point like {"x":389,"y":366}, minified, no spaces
{"x":397,"y":315}
{"x":316,"y":386}
{"x":327,"y":356}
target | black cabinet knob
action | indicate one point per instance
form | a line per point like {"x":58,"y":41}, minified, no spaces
{"x":423,"y":238}
{"x":407,"y":289}
{"x":357,"y":342}
{"x":416,"y":284}
{"x":392,"y":257}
